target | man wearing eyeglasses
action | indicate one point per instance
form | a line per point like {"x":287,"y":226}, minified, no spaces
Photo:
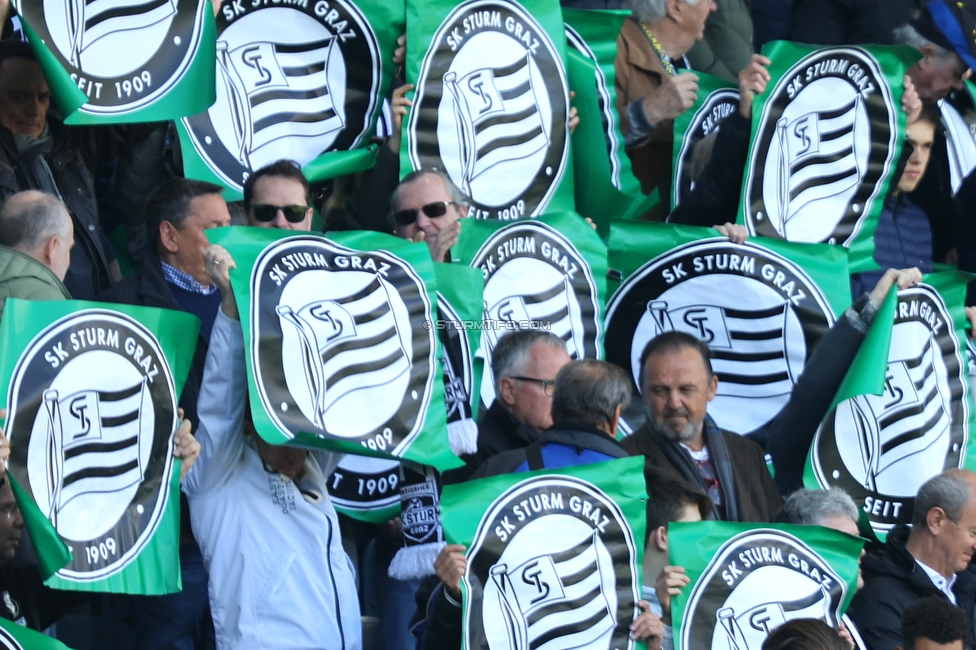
{"x":524,"y":365}
{"x":276,"y":196}
{"x":427,"y":206}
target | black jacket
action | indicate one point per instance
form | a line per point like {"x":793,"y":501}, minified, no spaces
{"x":788,"y":436}
{"x":73,"y":157}
{"x":849,"y":22}
{"x":893,"y":580}
{"x":715,"y":199}
{"x":498,"y":431}
{"x":25,"y":599}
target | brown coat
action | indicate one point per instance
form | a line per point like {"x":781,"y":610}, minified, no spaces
{"x":758,"y":498}
{"x":639,"y":74}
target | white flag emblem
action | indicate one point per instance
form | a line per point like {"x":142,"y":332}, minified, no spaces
{"x":552,"y":602}
{"x":90,"y":20}
{"x":347,"y":344}
{"x":818,"y":159}
{"x":278,"y":90}
{"x":498,"y":117}
{"x":93,"y":443}
{"x":905,"y":420}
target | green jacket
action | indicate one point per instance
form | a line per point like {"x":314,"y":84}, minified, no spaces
{"x":727,"y":46}
{"x":21,"y":276}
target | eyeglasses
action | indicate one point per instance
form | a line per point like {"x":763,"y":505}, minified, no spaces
{"x":432,"y":210}
{"x":548,"y":385}
{"x":10,"y":512}
{"x":264,"y":212}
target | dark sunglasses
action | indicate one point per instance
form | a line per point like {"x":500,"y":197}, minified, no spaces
{"x":432,"y":210}
{"x":293,"y":213}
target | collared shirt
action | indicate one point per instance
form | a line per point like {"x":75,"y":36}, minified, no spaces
{"x":185,"y":281}
{"x":939,"y":580}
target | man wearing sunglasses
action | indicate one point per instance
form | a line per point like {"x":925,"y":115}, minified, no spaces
{"x":276,"y":196}
{"x":427,"y":206}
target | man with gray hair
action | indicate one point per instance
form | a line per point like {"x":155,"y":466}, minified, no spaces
{"x":36,"y":236}
{"x":524,"y":364}
{"x":588,"y":399}
{"x":427,"y":206}
{"x":928,"y":559}
{"x":832,"y":508}
{"x":651,"y":92}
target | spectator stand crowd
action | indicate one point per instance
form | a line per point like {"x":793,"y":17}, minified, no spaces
{"x":257,"y":575}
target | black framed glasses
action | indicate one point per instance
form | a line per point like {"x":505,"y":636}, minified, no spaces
{"x":265,"y":212}
{"x":432,"y":210}
{"x":548,"y":385}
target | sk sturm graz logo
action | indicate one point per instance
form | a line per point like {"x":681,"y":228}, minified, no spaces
{"x":491,"y":109}
{"x":881,"y":448}
{"x":458,"y":366}
{"x":159,"y":39}
{"x":826,"y":139}
{"x":363,"y":484}
{"x":551,"y":566}
{"x":337,"y":342}
{"x":760,"y":314}
{"x":93,"y":412}
{"x":608,"y":111}
{"x":535,"y":278}
{"x":757,"y":581}
{"x":292,"y":82}
{"x":704,"y":123}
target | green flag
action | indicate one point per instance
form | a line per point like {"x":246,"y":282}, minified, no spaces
{"x":554,"y":556}
{"x":592,"y":34}
{"x":881,"y":448}
{"x":18,"y":637}
{"x":124,"y":61}
{"x":460,"y":308}
{"x":826,"y":137}
{"x":761,"y":306}
{"x":547,"y":273}
{"x":717,"y":99}
{"x":298,"y":80}
{"x":491,"y":103}
{"x":91,"y":414}
{"x":597,"y":198}
{"x":341,"y":350}
{"x":748,"y":579}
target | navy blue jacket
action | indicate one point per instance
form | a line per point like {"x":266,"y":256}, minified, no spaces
{"x":902,"y":240}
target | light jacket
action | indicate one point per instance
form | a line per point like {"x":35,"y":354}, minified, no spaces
{"x":278,"y":574}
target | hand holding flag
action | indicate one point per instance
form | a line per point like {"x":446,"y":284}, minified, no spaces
{"x":450,"y":567}
{"x":187,"y":447}
{"x":219,"y":263}
{"x":904,"y":278}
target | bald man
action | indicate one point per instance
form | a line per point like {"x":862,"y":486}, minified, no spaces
{"x":36,"y":236}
